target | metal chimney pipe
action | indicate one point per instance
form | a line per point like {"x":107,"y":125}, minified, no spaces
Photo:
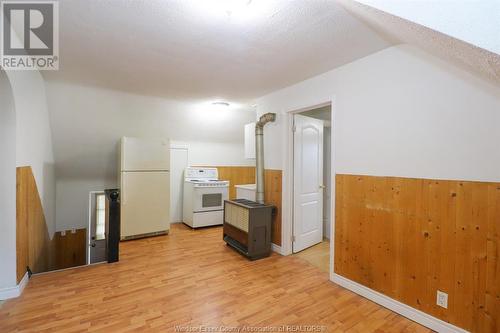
{"x":259,"y":154}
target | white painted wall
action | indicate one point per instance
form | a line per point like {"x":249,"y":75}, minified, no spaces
{"x":72,"y":194}
{"x":216,"y":153}
{"x":474,"y":21}
{"x":87,"y":123}
{"x":7,"y":185}
{"x":34,"y":137}
{"x":25,"y":141}
{"x":73,"y":200}
{"x":400,"y":112}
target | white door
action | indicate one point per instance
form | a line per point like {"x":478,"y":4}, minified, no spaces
{"x":145,"y":203}
{"x":178,"y":163}
{"x":138,"y":154}
{"x":98,"y":213}
{"x":307,"y":182}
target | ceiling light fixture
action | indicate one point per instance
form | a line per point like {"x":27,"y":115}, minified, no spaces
{"x":230,"y":6}
{"x":232,"y":9}
{"x":219,"y":103}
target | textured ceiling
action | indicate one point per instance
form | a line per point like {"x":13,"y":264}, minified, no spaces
{"x":194,"y":49}
{"x":150,"y":68}
{"x":474,"y":22}
{"x":397,"y":29}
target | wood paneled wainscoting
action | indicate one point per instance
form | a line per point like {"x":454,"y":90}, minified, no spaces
{"x":238,"y":175}
{"x":408,"y":238}
{"x":34,"y":246}
{"x":71,"y":248}
{"x":272,"y":193}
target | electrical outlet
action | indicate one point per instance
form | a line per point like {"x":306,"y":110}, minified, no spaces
{"x":442,"y":299}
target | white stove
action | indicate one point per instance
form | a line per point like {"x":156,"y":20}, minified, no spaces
{"x":210,"y":183}
{"x":204,"y":196}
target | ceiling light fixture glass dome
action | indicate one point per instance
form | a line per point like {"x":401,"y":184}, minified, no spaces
{"x":224,"y":8}
{"x":231,"y":6}
{"x":221,"y":103}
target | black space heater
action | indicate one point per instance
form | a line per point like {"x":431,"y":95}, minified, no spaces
{"x":113,"y":224}
{"x":247,"y":227}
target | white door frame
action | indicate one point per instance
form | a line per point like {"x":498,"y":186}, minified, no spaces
{"x":89,"y":227}
{"x":287,"y":220}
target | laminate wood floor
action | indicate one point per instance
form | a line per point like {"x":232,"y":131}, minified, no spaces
{"x":318,"y":255}
{"x":191,"y":278}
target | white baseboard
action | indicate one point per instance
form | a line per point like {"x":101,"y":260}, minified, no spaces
{"x":276,"y":248}
{"x":16,"y":291}
{"x":418,"y":316}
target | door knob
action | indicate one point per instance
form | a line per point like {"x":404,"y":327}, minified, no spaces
{"x":93,"y":245}
{"x":322,"y":186}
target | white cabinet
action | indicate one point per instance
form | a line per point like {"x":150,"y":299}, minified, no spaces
{"x":250,"y":141}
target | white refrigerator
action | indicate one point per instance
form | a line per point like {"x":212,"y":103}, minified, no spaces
{"x":145,"y":187}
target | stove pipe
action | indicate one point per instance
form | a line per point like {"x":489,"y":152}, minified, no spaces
{"x":259,"y":154}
